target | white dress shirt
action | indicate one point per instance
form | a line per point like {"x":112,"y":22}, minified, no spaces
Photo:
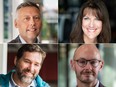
{"x":24,"y":42}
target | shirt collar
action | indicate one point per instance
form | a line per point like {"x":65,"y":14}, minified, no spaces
{"x":97,"y":85}
{"x":13,"y":84}
{"x":23,"y":41}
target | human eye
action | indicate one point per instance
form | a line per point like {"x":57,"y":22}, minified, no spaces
{"x":26,"y":19}
{"x":94,"y":62}
{"x":97,"y":18}
{"x":86,"y":18}
{"x":26,"y":61}
{"x":82,"y":61}
{"x":36,"y":64}
{"x":37,"y":17}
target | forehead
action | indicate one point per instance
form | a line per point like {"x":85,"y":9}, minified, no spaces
{"x":32,"y":56}
{"x":28,"y":10}
{"x":90,"y":11}
{"x":87,"y":52}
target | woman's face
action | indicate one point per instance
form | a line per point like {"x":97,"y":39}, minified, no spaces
{"x":91,"y":25}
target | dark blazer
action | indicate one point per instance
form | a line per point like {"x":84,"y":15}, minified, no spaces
{"x":17,"y":40}
{"x":100,"y":85}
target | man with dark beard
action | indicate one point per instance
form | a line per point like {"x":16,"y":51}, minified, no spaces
{"x":87,"y":63}
{"x":28,"y":63}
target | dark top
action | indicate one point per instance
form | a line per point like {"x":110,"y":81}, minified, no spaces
{"x":17,"y":40}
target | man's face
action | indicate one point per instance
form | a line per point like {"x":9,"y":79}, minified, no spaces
{"x":28,"y":22}
{"x":28,"y":66}
{"x":88,"y":73}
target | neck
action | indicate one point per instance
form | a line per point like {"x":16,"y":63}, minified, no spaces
{"x":88,"y":40}
{"x":18,"y":81}
{"x":87,"y":84}
{"x":29,"y":40}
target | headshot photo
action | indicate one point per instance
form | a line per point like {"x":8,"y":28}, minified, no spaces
{"x":92,"y":24}
{"x":87,"y":65}
{"x":87,"y":21}
{"x":28,"y":66}
{"x":29,"y":21}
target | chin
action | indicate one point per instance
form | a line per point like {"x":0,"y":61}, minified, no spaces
{"x":27,"y":80}
{"x":92,"y":37}
{"x":32,"y":37}
{"x":87,"y":80}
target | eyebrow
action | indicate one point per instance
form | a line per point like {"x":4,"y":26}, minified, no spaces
{"x":30,"y":60}
{"x":34,"y":15}
{"x":89,"y":59}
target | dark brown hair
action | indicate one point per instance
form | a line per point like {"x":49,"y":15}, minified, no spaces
{"x":76,"y":35}
{"x":30,"y":48}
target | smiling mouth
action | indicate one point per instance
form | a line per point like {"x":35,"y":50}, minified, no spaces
{"x":31,"y":30}
{"x":87,"y":75}
{"x":91,"y":30}
{"x":28,"y":74}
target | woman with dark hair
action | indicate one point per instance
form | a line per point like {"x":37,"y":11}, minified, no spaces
{"x":92,"y":24}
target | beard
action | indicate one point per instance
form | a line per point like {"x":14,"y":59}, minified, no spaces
{"x":86,"y":76}
{"x":23,"y":77}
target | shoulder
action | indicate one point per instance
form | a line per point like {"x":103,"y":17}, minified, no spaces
{"x":16,"y":40}
{"x":40,"y":82}
{"x":101,"y":85}
{"x":4,"y":78}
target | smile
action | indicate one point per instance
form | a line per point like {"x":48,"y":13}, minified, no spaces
{"x":87,"y":75}
{"x":91,"y":30}
{"x":31,"y":30}
{"x":28,"y":74}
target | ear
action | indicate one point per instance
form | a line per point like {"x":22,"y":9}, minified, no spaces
{"x":41,"y":25}
{"x":101,"y":65}
{"x":72,"y":64}
{"x":15,"y":60}
{"x":16,"y":23}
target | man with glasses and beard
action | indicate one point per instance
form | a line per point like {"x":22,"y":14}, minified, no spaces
{"x":28,"y":63}
{"x":87,"y":63}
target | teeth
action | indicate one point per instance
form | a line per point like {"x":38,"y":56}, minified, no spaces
{"x":91,"y":30}
{"x":31,"y":30}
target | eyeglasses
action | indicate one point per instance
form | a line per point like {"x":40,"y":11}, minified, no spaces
{"x":83,"y":62}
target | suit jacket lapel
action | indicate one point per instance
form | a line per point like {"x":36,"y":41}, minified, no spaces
{"x":100,"y":85}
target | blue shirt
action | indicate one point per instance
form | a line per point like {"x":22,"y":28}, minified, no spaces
{"x":5,"y":79}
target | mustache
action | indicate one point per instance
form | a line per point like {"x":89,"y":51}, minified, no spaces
{"x":31,"y":29}
{"x":87,"y":72}
{"x":27,"y":70}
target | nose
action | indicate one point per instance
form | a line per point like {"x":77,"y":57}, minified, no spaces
{"x":88,"y":66}
{"x":91,"y":24}
{"x":31,"y":68}
{"x":32,"y":21}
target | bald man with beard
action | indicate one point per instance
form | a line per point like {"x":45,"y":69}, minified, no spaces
{"x":87,"y":63}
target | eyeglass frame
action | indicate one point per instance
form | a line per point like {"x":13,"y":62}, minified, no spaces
{"x":87,"y":62}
